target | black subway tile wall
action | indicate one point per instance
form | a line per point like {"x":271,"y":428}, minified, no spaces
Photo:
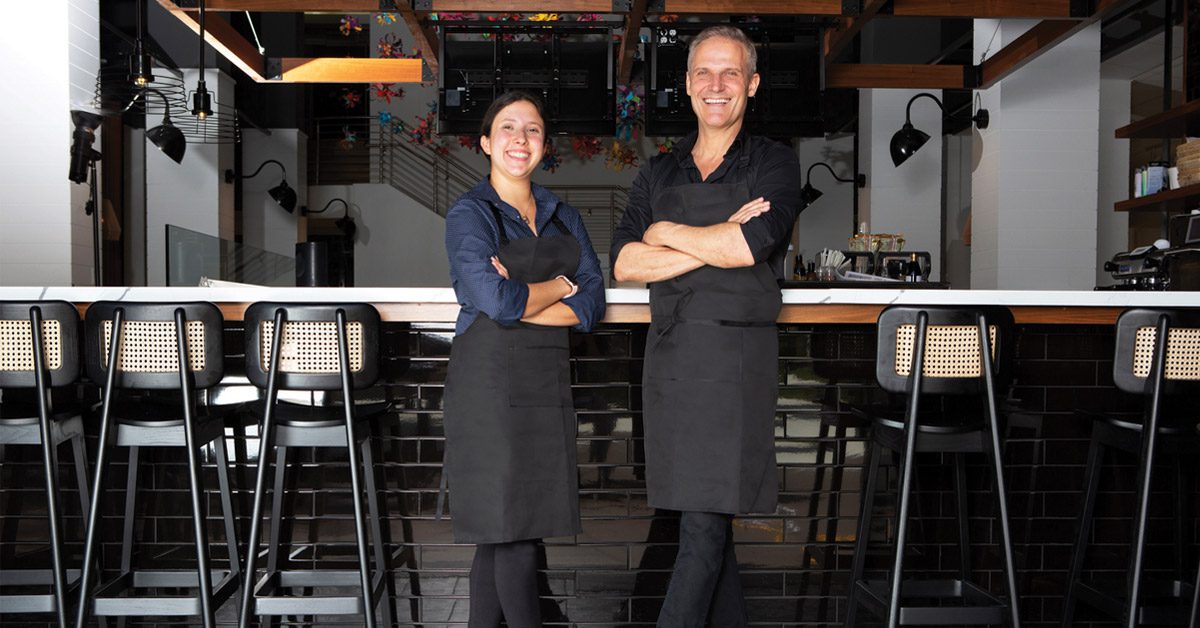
{"x":794,"y":562}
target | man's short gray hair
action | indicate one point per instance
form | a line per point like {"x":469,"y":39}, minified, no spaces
{"x":728,"y":32}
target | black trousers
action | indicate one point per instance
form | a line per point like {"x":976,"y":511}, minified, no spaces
{"x":504,"y":586}
{"x":705,"y":586}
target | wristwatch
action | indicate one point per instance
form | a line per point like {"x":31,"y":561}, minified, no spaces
{"x":570,"y":284}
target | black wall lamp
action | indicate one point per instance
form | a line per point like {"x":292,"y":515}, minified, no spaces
{"x":282,"y":194}
{"x":345,"y":224}
{"x":808,"y":193}
{"x":166,"y":136}
{"x":909,"y":139}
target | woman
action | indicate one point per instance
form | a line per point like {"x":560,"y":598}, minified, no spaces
{"x":524,"y":271}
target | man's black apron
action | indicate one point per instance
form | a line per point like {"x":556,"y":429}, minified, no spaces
{"x":711,"y":377}
{"x":510,"y":420}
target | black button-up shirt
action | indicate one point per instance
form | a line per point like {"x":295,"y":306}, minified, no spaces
{"x":772,"y":171}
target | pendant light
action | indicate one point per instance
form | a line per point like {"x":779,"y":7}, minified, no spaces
{"x":201,"y":99}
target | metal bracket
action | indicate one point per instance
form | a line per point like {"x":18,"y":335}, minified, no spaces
{"x":972,"y":76}
{"x":422,"y":5}
{"x":851,"y":8}
{"x":426,"y":73}
{"x":274,"y":69}
{"x":1082,"y":8}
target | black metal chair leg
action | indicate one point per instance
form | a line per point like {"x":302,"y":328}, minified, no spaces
{"x":1078,"y":552}
{"x":831,"y":519}
{"x":79,"y":452}
{"x":50,"y":468}
{"x":128,"y":521}
{"x":1181,"y":513}
{"x":375,"y":520}
{"x":279,"y":490}
{"x":360,"y":528}
{"x":195,"y":482}
{"x":960,"y":497}
{"x":266,"y":432}
{"x":93,"y":517}
{"x":863,"y":533}
{"x":228,"y":511}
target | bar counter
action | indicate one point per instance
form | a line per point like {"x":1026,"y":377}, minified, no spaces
{"x":794,"y":562}
{"x":629,"y":305}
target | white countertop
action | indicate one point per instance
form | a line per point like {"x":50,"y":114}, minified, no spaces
{"x":1043,"y":298}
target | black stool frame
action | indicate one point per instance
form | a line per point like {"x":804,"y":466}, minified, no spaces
{"x":988,"y":610}
{"x":48,"y":430}
{"x":1155,"y":386}
{"x":109,"y":600}
{"x":261,"y":599}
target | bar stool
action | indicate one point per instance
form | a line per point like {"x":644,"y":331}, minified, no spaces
{"x":155,"y":347}
{"x":1157,"y":356}
{"x":39,"y":350}
{"x":936,"y":351}
{"x":321,"y":347}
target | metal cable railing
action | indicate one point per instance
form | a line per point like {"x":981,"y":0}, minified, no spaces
{"x":377,"y":155}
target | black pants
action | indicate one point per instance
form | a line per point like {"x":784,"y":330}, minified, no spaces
{"x":705,"y":584}
{"x":504,"y":586}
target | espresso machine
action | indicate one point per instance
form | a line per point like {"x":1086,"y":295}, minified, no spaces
{"x":1172,"y":264}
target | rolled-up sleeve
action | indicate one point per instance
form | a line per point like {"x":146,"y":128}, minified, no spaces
{"x":588,"y":303}
{"x":778,"y":181}
{"x":471,"y":241}
{"x":636,"y":218}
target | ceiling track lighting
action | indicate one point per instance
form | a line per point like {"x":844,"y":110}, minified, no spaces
{"x":909,"y":139}
{"x":809,"y":194}
{"x":166,"y":136}
{"x":282,"y":194}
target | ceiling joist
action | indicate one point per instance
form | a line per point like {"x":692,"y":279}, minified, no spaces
{"x":630,"y":40}
{"x":750,"y":7}
{"x":1045,"y":9}
{"x":896,"y":76}
{"x":836,"y":41}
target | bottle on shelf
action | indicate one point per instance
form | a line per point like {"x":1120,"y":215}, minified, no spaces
{"x":913,"y":272}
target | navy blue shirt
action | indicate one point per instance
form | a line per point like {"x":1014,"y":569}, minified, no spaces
{"x":472,"y":239}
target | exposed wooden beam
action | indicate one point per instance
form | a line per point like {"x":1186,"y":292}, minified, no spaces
{"x":896,"y":75}
{"x":219,"y":34}
{"x":630,"y":40}
{"x":836,"y":41}
{"x":757,"y":7}
{"x":423,"y":37}
{"x":1037,"y":40}
{"x":1046,"y":9}
{"x":349,"y":70}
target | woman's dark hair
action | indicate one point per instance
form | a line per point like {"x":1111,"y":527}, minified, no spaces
{"x":506,"y":99}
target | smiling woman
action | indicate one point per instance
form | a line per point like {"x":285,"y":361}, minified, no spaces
{"x":524,"y":271}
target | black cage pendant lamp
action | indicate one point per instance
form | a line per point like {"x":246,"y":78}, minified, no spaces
{"x":282,"y":194}
{"x":909,"y":139}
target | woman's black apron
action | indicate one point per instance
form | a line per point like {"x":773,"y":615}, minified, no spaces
{"x":509,"y":417}
{"x":710,"y":383}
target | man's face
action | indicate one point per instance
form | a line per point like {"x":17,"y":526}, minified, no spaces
{"x":719,"y":84}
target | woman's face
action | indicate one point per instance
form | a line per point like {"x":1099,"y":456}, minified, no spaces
{"x":517,"y":140}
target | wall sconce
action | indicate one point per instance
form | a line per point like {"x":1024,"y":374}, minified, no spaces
{"x":809,"y":194}
{"x":282,"y":194}
{"x":166,"y":136}
{"x":345,"y":224}
{"x":909,"y":139}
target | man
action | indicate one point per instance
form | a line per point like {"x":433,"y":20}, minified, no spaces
{"x":707,"y":228}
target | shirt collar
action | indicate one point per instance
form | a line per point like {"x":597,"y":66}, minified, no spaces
{"x":545,"y":200}
{"x":683,"y":148}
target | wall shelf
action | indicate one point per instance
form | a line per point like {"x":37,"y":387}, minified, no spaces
{"x":1175,"y":122}
{"x":1170,"y":200}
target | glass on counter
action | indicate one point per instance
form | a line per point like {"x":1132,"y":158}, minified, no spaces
{"x":875,"y":242}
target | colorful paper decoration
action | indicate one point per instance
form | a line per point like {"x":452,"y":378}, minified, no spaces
{"x":383,"y":19}
{"x":470,"y":142}
{"x":349,"y":138}
{"x":629,"y":112}
{"x":385,"y":118}
{"x":587,"y":17}
{"x":665,"y":146}
{"x":551,"y":160}
{"x":349,"y":25}
{"x":544,"y":17}
{"x":350,"y":98}
{"x":385,"y":92}
{"x":586,"y":147}
{"x":620,"y":157}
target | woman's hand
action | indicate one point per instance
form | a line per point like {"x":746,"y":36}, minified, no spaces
{"x":499,"y":267}
{"x":750,"y":210}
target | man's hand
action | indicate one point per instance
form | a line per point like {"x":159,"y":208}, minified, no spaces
{"x":499,"y":267}
{"x":658,"y":233}
{"x":750,"y":210}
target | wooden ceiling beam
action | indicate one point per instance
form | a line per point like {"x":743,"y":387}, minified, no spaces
{"x":837,"y":41}
{"x":630,"y":40}
{"x":348,"y":70}
{"x":219,"y":34}
{"x":896,"y":76}
{"x":756,"y":7}
{"x":1037,"y":41}
{"x":1045,"y":9}
{"x":424,"y":38}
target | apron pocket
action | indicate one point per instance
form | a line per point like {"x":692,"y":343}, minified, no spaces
{"x":534,"y":374}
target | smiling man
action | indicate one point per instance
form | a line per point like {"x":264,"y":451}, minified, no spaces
{"x":707,"y":228}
